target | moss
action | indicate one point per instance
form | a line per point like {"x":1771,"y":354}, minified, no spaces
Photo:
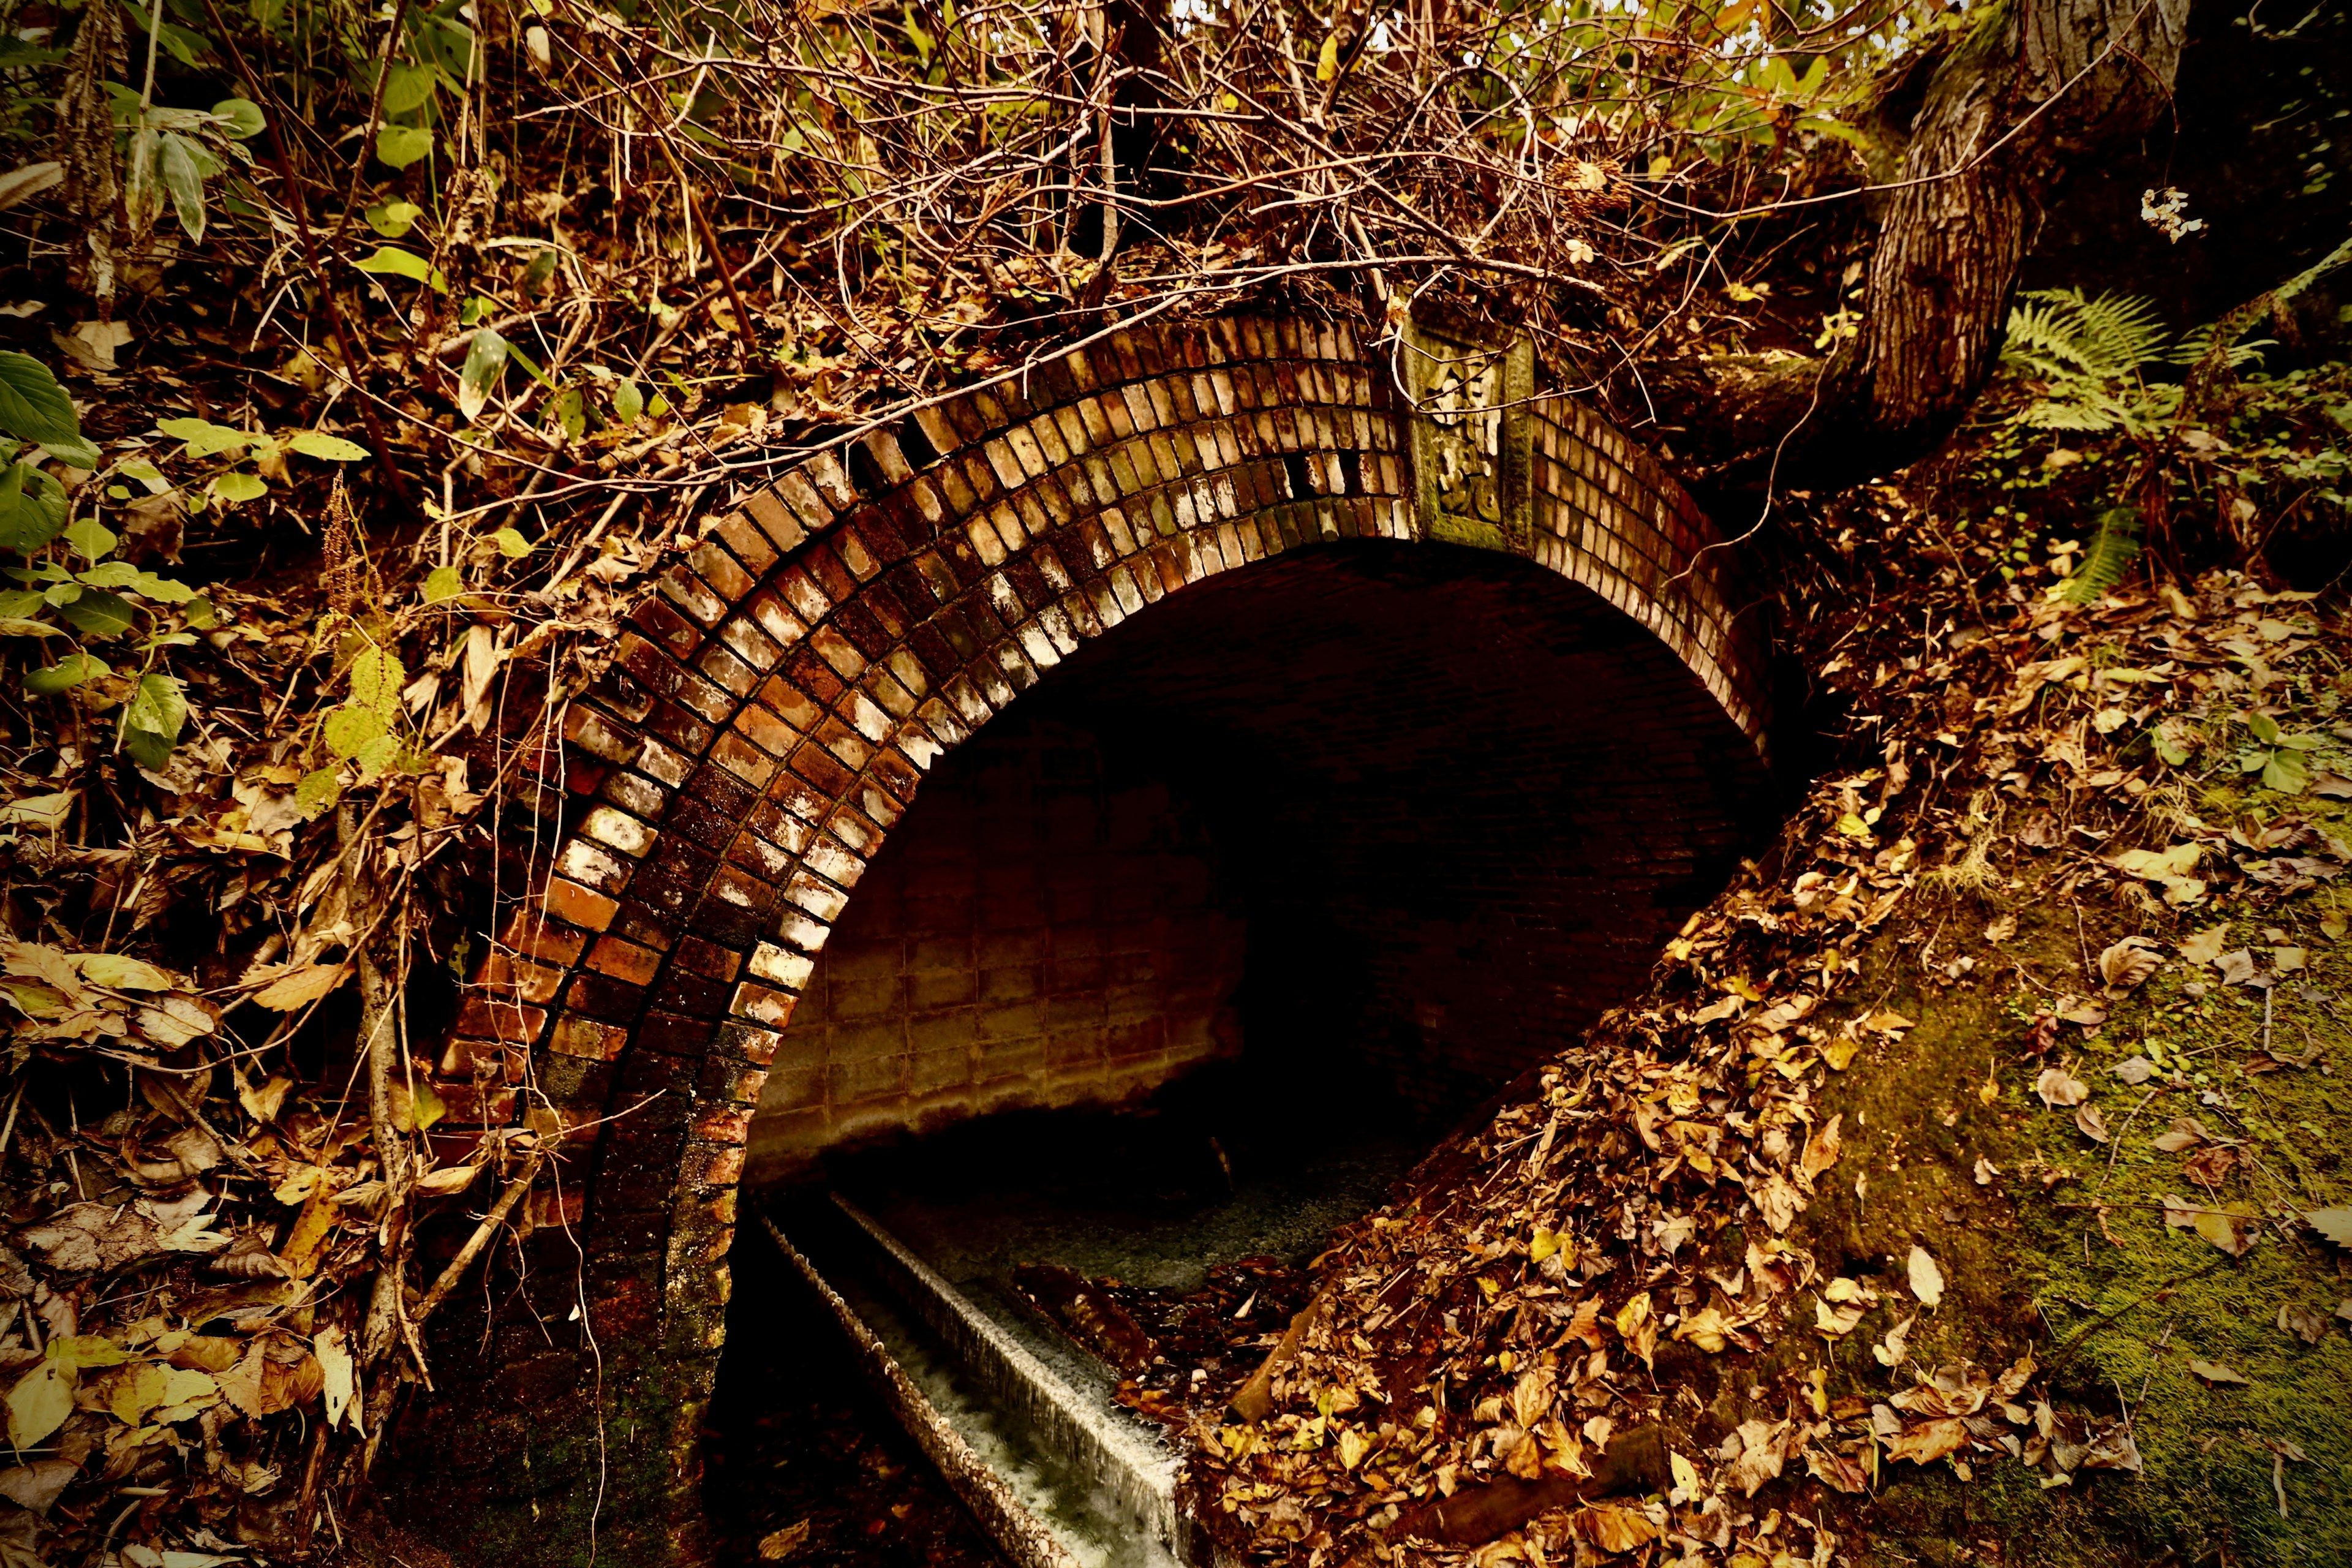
{"x":2065,"y":1255}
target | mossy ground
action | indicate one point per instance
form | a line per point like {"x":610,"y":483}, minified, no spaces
{"x":2065,"y":1248}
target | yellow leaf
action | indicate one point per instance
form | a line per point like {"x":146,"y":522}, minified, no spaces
{"x":1327,"y":64}
{"x":1704,"y":1329}
{"x":1614,"y":1528}
{"x":1543,"y":1246}
{"x":134,"y":1391}
{"x":1634,"y":1314}
{"x":300,"y":988}
{"x":40,"y":1403}
{"x":1839,"y":1052}
{"x":1353,"y":1446}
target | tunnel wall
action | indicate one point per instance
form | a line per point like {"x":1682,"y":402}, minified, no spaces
{"x":1041,"y":933}
{"x":713,"y":799}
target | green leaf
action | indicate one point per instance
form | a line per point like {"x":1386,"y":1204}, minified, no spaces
{"x":111,"y":574}
{"x":319,"y":790}
{"x":376,"y":678}
{"x":117,"y":972}
{"x":152,"y":721}
{"x":2286,"y":773}
{"x":162,"y":590}
{"x":627,"y":403}
{"x":392,"y":219}
{"x":511,"y":543}
{"x":2264,"y":727}
{"x":234,"y":487}
{"x":34,"y":407}
{"x":32,"y":508}
{"x":406,"y":87}
{"x":443,"y":582}
{"x":569,"y":411}
{"x":200,"y":613}
{"x":177,"y":167}
{"x":350,"y":727}
{"x":377,"y":755}
{"x":92,"y":540}
{"x":486,"y":363}
{"x":66,"y":674}
{"x":398,"y":146}
{"x":204,"y":438}
{"x":389,"y":261}
{"x":327,"y":448}
{"x":243,"y":116}
{"x":97,"y":614}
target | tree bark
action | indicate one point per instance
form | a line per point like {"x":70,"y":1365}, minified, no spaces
{"x":2037,"y":88}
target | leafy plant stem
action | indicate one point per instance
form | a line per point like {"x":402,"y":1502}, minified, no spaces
{"x":374,"y":122}
{"x":378,"y":440}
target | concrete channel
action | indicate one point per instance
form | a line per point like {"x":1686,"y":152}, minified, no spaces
{"x":1018,"y":1420}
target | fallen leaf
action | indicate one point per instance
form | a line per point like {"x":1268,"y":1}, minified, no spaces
{"x":2209,"y":1165}
{"x":1927,"y":1441}
{"x":2306,"y":1323}
{"x":1926,"y":1279}
{"x":2185,"y":1132}
{"x":1890,"y":1351}
{"x":2057,"y":1087}
{"x":2127,"y":962}
{"x":2288,"y":960}
{"x":2134,"y":1070}
{"x":40,"y":1403}
{"x":2000,"y":928}
{"x":777,"y":1546}
{"x":1836,"y":1469}
{"x":2205,"y":947}
{"x":2230,"y":1228}
{"x":2336,"y":1225}
{"x":2216,"y":1371}
{"x":1612,"y":1529}
{"x":341,"y":1383}
{"x":2090,"y":1123}
{"x":300,"y":988}
{"x":2237,"y":967}
{"x":1821,"y":1149}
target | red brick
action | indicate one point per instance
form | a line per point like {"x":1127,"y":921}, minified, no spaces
{"x":592,"y":1038}
{"x":624,"y":960}
{"x":581,"y":906}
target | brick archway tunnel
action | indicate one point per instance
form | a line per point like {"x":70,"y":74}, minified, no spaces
{"x":1293,"y":721}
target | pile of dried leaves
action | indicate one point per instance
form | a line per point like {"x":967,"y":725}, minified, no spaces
{"x":1624,"y":1244}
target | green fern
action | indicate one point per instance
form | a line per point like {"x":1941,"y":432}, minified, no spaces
{"x":2112,"y":551}
{"x":2088,"y":354}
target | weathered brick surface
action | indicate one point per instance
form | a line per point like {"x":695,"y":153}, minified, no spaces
{"x":776,"y":704}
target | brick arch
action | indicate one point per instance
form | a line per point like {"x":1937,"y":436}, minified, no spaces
{"x":767,"y":721}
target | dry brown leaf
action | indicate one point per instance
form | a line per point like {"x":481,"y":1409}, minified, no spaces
{"x":2206,"y":946}
{"x":2057,"y":1087}
{"x":300,"y":987}
{"x":1926,"y":1279}
{"x":1822,"y":1148}
{"x":1613,"y":1529}
{"x":2001,"y":929}
{"x":2217,"y":1371}
{"x":2127,"y":962}
{"x":777,"y":1546}
{"x":2306,"y":1323}
{"x":2090,"y":1123}
{"x":1926,"y":1441}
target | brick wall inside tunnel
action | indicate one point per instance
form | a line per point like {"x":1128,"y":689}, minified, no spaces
{"x":1456,"y":801}
{"x":1050,"y":929}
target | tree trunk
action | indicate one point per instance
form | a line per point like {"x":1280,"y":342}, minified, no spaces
{"x":2040,"y":85}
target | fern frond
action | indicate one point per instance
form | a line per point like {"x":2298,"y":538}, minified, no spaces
{"x":2112,"y":551}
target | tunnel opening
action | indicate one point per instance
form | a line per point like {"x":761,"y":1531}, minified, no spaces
{"x":1184,"y":957}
